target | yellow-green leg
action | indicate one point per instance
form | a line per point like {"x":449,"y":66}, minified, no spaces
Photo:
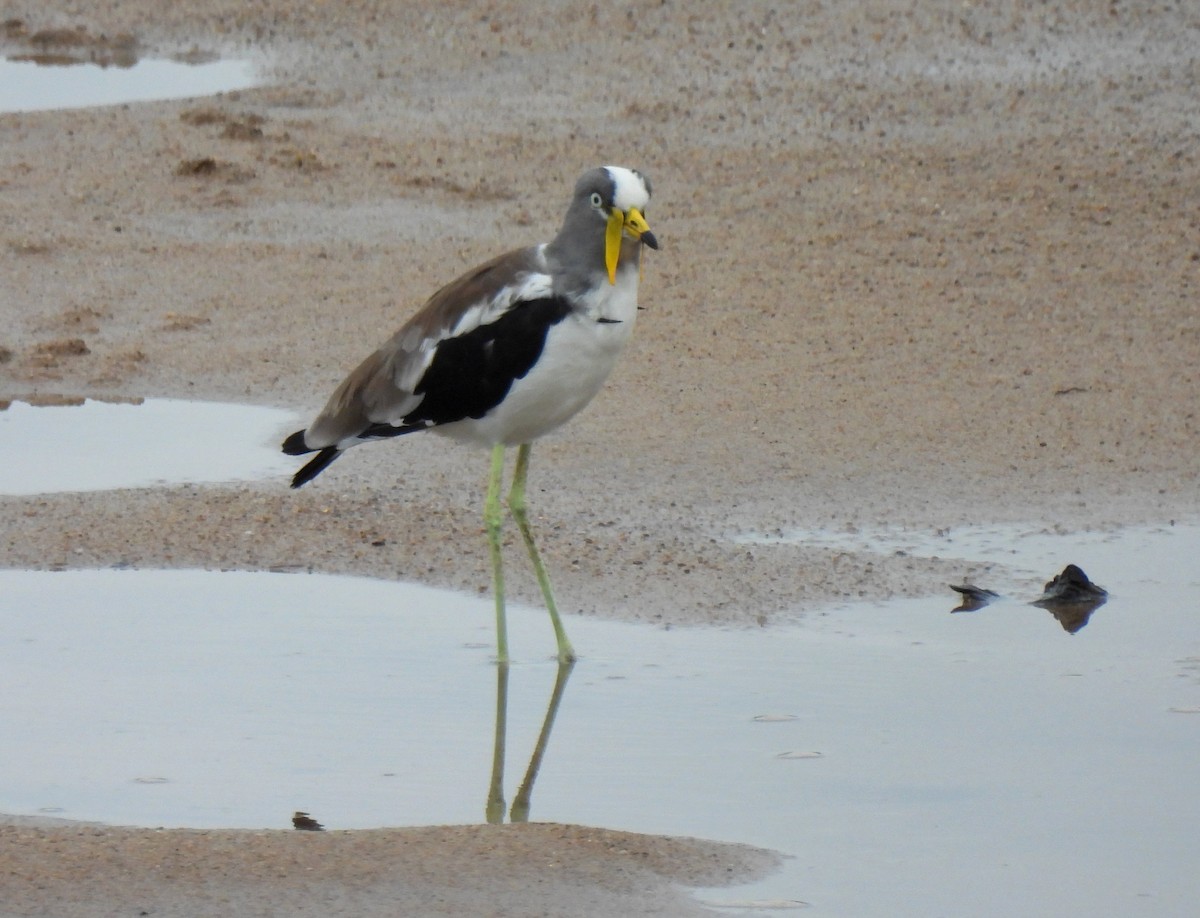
{"x":516,"y":505}
{"x":493,"y":520}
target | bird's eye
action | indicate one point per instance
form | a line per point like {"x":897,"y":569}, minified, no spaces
{"x":597,"y":201}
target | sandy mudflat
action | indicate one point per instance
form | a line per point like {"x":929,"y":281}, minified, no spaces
{"x":919,"y":268}
{"x":534,"y":869}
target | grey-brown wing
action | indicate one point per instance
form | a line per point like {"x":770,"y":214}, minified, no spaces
{"x":386,"y":387}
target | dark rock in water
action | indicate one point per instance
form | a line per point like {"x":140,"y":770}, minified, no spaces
{"x":1071,"y":598}
{"x":973,"y":597}
{"x":1072,"y":585}
{"x":305,"y":823}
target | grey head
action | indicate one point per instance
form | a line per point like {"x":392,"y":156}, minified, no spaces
{"x":604,"y":229}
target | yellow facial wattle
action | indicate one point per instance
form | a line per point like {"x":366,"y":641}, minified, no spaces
{"x":631,"y":222}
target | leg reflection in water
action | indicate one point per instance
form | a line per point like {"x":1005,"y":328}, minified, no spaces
{"x":521,"y":805}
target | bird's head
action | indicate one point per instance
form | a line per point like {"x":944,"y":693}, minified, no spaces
{"x":610,"y":203}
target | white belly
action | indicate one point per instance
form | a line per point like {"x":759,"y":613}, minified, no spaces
{"x":579,"y":353}
{"x":576,"y":360}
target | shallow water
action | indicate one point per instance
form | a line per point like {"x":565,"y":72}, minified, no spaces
{"x":26,"y":86}
{"x":100,"y":446}
{"x":910,"y":761}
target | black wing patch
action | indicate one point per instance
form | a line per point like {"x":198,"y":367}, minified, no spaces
{"x":471,"y":374}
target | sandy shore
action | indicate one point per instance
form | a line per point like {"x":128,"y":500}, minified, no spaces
{"x":534,"y":869}
{"x":918,"y":269}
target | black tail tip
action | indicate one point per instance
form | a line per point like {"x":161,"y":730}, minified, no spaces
{"x":315,"y":466}
{"x":294,"y":445}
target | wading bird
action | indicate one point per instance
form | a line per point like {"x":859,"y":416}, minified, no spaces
{"x":505,"y":354}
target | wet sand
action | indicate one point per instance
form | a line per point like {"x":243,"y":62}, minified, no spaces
{"x":918,"y":269}
{"x":533,"y":869}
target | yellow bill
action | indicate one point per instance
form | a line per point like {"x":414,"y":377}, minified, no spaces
{"x":619,"y":223}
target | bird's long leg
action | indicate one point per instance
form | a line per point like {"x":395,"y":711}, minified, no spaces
{"x":516,"y":505}
{"x":493,"y":520}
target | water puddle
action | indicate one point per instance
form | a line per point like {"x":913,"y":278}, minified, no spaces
{"x":909,"y":760}
{"x":41,"y":83}
{"x":1030,"y":552}
{"x":96,"y":446}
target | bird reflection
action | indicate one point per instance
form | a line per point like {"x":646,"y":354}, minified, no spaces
{"x":521,"y":804}
{"x":1070,"y":597}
